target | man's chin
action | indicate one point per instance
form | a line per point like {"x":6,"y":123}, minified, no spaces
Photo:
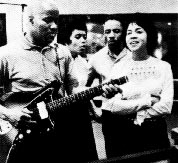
{"x":113,"y":44}
{"x":49,"y":40}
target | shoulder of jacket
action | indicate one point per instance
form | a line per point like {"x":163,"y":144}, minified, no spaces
{"x":8,"y":49}
{"x":102,"y":51}
{"x":63,"y":51}
{"x":99,"y":54}
{"x":161,"y":62}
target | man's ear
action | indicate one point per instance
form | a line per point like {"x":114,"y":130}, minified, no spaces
{"x":31,"y":19}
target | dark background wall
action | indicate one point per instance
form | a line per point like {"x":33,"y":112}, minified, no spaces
{"x":167,"y":25}
{"x":3,"y":37}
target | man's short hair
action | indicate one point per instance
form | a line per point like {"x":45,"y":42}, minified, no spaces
{"x":120,"y":19}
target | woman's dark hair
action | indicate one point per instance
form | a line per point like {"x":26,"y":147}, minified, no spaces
{"x":152,"y":35}
{"x":67,"y":25}
{"x":74,"y":23}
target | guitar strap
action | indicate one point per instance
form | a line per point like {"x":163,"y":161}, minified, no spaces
{"x":5,"y":96}
{"x":62,"y":78}
{"x":58,"y":64}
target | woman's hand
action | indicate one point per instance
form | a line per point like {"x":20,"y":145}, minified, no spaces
{"x":154,"y":99}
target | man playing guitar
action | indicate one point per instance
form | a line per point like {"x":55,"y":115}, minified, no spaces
{"x":27,"y":66}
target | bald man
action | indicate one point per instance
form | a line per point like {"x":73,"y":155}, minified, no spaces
{"x":28,"y":65}
{"x":42,"y":22}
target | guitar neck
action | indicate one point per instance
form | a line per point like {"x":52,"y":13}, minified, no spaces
{"x":84,"y":95}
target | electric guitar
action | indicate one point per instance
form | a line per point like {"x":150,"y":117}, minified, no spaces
{"x":43,"y":106}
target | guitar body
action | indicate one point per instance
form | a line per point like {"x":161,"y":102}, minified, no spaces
{"x":17,"y":140}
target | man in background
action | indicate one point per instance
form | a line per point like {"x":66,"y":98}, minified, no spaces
{"x":102,"y":63}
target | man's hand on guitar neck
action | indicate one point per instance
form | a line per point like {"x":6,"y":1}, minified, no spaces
{"x":110,"y":90}
{"x":17,"y":115}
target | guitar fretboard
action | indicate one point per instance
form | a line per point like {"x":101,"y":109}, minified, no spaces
{"x":84,"y":95}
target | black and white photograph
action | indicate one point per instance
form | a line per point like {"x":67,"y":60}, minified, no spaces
{"x":88,"y":81}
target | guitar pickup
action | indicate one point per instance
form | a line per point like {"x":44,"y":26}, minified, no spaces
{"x":43,"y":113}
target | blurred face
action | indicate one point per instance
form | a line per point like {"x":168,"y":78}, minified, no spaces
{"x":78,"y":41}
{"x":113,"y":31}
{"x":136,"y":38}
{"x":45,"y":24}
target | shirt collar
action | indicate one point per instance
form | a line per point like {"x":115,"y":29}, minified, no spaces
{"x":112,"y":55}
{"x":27,"y":45}
{"x":121,"y":55}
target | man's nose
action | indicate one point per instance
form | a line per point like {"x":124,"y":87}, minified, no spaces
{"x":111,"y":34}
{"x":83,"y":40}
